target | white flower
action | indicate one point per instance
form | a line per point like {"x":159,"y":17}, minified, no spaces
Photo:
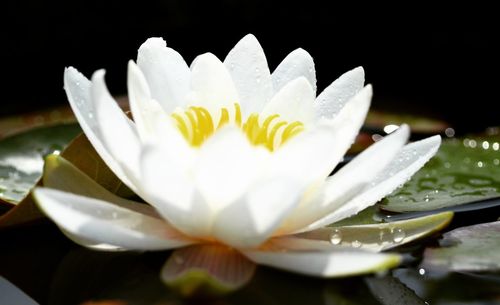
{"x":226,"y":152}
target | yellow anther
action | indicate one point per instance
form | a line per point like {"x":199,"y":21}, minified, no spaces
{"x":224,"y":117}
{"x":196,"y":125}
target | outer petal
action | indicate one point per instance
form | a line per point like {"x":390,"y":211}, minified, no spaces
{"x":326,"y":264}
{"x":211,"y":85}
{"x":145,"y":110}
{"x":294,"y":102}
{"x":408,"y":161}
{"x":78,"y":90}
{"x":298,"y":63}
{"x":334,"y":97}
{"x":248,"y":67}
{"x":118,"y":132}
{"x":251,"y":220}
{"x":166,"y":72}
{"x":351,"y":179}
{"x":102,"y":222}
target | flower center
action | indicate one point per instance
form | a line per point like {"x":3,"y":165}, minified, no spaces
{"x":196,"y":125}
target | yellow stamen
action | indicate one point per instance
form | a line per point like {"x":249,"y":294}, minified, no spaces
{"x":196,"y":125}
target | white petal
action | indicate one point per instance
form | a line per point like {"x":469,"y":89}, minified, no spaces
{"x":169,"y":188}
{"x":78,"y":90}
{"x":247,"y":65}
{"x":211,"y":85}
{"x":406,"y":163}
{"x":251,"y":220}
{"x":228,"y":165}
{"x":313,"y":154}
{"x":294,"y":102}
{"x":145,"y":110}
{"x":166,"y":72}
{"x":352,"y":178}
{"x":297,"y":63}
{"x":118,"y":132}
{"x":102,"y":222}
{"x":334,"y":97}
{"x":326,"y":264}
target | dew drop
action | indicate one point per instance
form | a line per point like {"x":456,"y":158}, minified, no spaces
{"x":421,"y":271}
{"x":449,"y":132}
{"x":496,"y":162}
{"x":398,"y":235}
{"x":480,"y":164}
{"x":336,"y":237}
{"x":486,"y":145}
{"x":495,"y":146}
{"x":356,"y":244}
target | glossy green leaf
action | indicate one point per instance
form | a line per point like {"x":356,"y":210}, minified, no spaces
{"x":472,"y":248}
{"x":382,"y":236}
{"x":463,"y":171}
{"x":207,"y":270}
{"x":21,"y":158}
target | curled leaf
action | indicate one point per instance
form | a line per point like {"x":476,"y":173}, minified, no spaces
{"x":382,"y":236}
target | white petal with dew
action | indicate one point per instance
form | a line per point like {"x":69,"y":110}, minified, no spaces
{"x":78,"y":91}
{"x":352,"y":178}
{"x":166,"y":72}
{"x":329,"y":103}
{"x":211,"y":85}
{"x":406,"y":163}
{"x":102,"y":222}
{"x":252,"y":219}
{"x":294,"y":102}
{"x":118,"y":133}
{"x":227,"y":166}
{"x":247,"y":65}
{"x":314,"y":153}
{"x":326,"y":263}
{"x":297,"y":63}
{"x":145,"y":110}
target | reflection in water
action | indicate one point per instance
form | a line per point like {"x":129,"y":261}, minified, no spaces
{"x":133,"y":279}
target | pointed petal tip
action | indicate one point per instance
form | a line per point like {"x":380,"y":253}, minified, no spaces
{"x":157,"y":42}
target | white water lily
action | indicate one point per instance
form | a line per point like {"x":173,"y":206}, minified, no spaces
{"x":229,"y":153}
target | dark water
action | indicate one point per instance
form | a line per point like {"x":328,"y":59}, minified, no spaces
{"x":52,"y":270}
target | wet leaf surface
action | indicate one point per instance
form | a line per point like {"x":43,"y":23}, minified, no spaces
{"x":21,"y":158}
{"x":472,"y":248}
{"x":463,"y":171}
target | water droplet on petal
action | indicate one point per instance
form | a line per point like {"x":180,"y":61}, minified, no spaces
{"x":356,"y":244}
{"x":398,"y":235}
{"x":421,"y":271}
{"x":336,"y":237}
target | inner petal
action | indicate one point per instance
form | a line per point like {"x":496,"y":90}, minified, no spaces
{"x":197,"y":124}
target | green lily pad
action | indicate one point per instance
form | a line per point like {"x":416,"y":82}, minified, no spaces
{"x":21,"y":158}
{"x":463,"y":171}
{"x":382,"y":236}
{"x":472,"y":248}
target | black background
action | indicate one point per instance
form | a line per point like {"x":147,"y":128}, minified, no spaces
{"x":420,"y":60}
